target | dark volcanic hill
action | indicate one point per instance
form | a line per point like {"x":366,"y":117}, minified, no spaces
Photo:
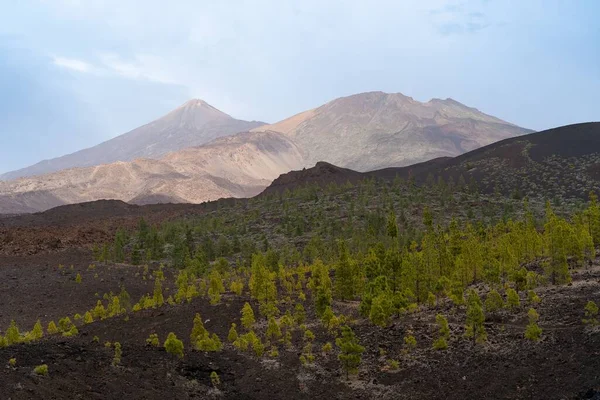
{"x":563,"y":162}
{"x":192,"y":124}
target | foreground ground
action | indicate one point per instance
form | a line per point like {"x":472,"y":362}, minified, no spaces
{"x":565,"y":364}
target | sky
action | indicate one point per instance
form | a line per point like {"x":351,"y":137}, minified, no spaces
{"x":74,"y":73}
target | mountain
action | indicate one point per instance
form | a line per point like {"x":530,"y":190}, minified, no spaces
{"x":559,"y":163}
{"x":193,"y":123}
{"x":362,"y":132}
{"x":236,"y":166}
{"x":375,"y":130}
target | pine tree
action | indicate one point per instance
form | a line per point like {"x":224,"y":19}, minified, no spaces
{"x":441,"y":343}
{"x":119,"y":243}
{"x":233,"y":335}
{"x":37,"y":332}
{"x":593,"y":218}
{"x":273,"y":330}
{"x":382,"y":308}
{"x":99,"y":312}
{"x":215,"y":287}
{"x":198,"y":330}
{"x":12,"y":335}
{"x":493,"y":301}
{"x":118,"y":354}
{"x":392,"y":226}
{"x":533,"y":331}
{"x":591,"y":313}
{"x":512,"y":299}
{"x":475,"y":318}
{"x":346,"y":274}
{"x":262,"y":282}
{"x":52,"y":329}
{"x":158,"y":294}
{"x":558,"y":237}
{"x":350,"y":350}
{"x":247,"y":319}
{"x":321,"y":287}
{"x":173,"y":345}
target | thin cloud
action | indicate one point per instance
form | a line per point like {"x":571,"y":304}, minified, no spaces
{"x":72,"y":64}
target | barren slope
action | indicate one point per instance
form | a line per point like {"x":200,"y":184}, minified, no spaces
{"x":194,"y":123}
{"x":375,"y":130}
{"x":239,"y":166}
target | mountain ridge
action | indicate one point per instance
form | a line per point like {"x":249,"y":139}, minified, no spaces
{"x":193,"y":123}
{"x":366,"y":131}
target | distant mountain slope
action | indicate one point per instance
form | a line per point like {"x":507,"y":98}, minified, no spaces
{"x":375,"y":130}
{"x":238,"y":166}
{"x":558,"y":163}
{"x":561,"y":162}
{"x":194,"y":123}
{"x":159,"y":162}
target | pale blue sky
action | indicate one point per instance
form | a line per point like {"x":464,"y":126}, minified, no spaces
{"x":74,"y":73}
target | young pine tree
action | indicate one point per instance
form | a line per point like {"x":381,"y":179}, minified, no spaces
{"x":247,"y":319}
{"x":533,"y":331}
{"x":591,"y":313}
{"x":350,"y":350}
{"x":493,"y":301}
{"x":198,"y":330}
{"x":173,"y":345}
{"x":215,"y":287}
{"x":347,"y":274}
{"x":441,"y":343}
{"x":512,"y":299}
{"x":233,"y":335}
{"x":273,"y":330}
{"x":158,"y":298}
{"x":475,"y":318}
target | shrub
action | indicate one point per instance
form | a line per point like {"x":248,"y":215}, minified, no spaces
{"x":299,"y":314}
{"x":393,"y":364}
{"x":118,"y":353}
{"x":41,"y":370}
{"x":153,"y":340}
{"x":440,"y":343}
{"x":108,"y":345}
{"x":233,"y":335}
{"x":52,"y":329}
{"x":274,"y":352}
{"x":350,"y":350}
{"x":99,"y":312}
{"x":410,"y":342}
{"x":96,"y":339}
{"x":309,"y":336}
{"x":78,"y":278}
{"x":493,"y":301}
{"x":533,"y":331}
{"x":37,"y":332}
{"x":214,"y":379}
{"x":327,"y":348}
{"x":273,"y":330}
{"x":247,"y":319}
{"x":237,"y":287}
{"x":12,"y":362}
{"x":591,"y":313}
{"x":87,"y":318}
{"x":12,"y":335}
{"x":532,"y":297}
{"x":512,"y":299}
{"x":173,"y":345}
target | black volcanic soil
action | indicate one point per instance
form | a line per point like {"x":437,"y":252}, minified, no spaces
{"x":565,"y":363}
